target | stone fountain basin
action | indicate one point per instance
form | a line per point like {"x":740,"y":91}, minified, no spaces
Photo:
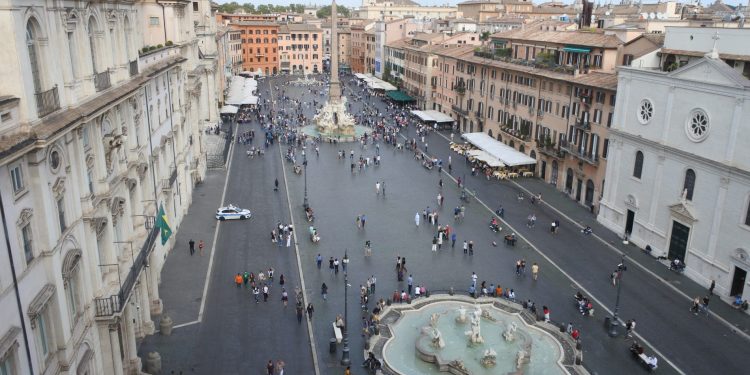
{"x":406,"y":351}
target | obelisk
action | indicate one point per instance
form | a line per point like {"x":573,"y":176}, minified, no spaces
{"x":334,"y":90}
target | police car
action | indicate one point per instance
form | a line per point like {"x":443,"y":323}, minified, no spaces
{"x":232,"y":212}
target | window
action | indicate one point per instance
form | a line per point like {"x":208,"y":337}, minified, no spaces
{"x":627,"y":59}
{"x":153,"y":21}
{"x":90,"y":180}
{"x":8,"y":364}
{"x":92,"y":42}
{"x":72,"y":53}
{"x":16,"y":178}
{"x":605,"y":148}
{"x":61,"y":213}
{"x":638,"y":166}
{"x":609,"y":120}
{"x":33,"y":49}
{"x":71,"y":294}
{"x":697,"y":126}
{"x":42,"y":335}
{"x":645,"y":111}
{"x":597,"y":116}
{"x":689,"y":184}
{"x":747,"y":215}
{"x":28,"y":248}
{"x":195,"y":6}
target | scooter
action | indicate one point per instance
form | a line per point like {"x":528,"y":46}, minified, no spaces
{"x":495,"y":228}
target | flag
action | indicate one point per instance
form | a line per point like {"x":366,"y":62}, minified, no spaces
{"x":163,"y":225}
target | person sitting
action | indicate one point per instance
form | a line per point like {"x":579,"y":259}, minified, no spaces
{"x":586,"y":230}
{"x":493,"y":224}
{"x":396,"y":296}
{"x":676,"y":264}
{"x":652,"y":362}
{"x":579,"y":296}
{"x":510,"y":239}
{"x":309,"y":213}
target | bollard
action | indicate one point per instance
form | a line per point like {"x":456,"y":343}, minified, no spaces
{"x":607,"y":321}
{"x":165,"y":325}
{"x":332,"y":345}
{"x":451,"y":291}
{"x":563,"y":327}
{"x":153,"y":363}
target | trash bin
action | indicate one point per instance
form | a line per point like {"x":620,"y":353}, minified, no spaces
{"x":332,"y":345}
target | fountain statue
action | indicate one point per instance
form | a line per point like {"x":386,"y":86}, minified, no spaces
{"x":486,"y":314}
{"x":522,"y":358}
{"x":437,"y":339}
{"x":475,"y":334}
{"x":461,"y":318}
{"x":489,"y":359}
{"x":434,"y":320}
{"x":510,"y":331}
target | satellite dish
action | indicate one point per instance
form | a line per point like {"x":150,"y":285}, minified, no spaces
{"x":651,"y":16}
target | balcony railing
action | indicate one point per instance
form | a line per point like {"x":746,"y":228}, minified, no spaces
{"x":47,"y":102}
{"x":167,"y":183}
{"x":459,"y":110}
{"x":101,"y":81}
{"x":587,"y":157}
{"x":108,"y":306}
{"x":550,"y":150}
{"x":565,"y":69}
{"x":515,"y":133}
{"x":133,"y":67}
{"x":582,"y":123}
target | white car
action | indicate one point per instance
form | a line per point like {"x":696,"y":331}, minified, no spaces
{"x":232,"y":212}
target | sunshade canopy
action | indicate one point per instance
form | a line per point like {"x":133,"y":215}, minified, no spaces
{"x":229,"y":109}
{"x":432,"y":115}
{"x":506,"y":154}
{"x":399,"y":96}
{"x":485,"y":157}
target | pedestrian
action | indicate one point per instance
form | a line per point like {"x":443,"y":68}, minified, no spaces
{"x":238,"y":280}
{"x":416,"y":218}
{"x":535,"y":271}
{"x":280,"y":366}
{"x":345,"y":261}
{"x":265,"y":293}
{"x":434,"y":244}
{"x":324,"y":291}
{"x":629,"y":327}
{"x":373,"y":280}
{"x":410,"y":283}
{"x":310,"y":310}
{"x":382,"y":184}
{"x":466,"y":247}
{"x":200,"y":247}
{"x":319,"y":260}
{"x":440,"y":183}
{"x":191,"y":243}
{"x":269,"y":367}
{"x":300,"y":312}
{"x":552,"y":227}
{"x":281,"y":279}
{"x":453,"y":240}
{"x":284,"y":297}
{"x":440,"y":240}
{"x":336,"y":266}
{"x":711,"y":287}
{"x":256,"y":294}
{"x":359,"y":222}
{"x":363,"y":221}
{"x":377,"y":188}
{"x":471,"y":247}
{"x":245,"y":277}
{"x":288,"y":239}
{"x":348,"y":370}
{"x":545,"y":310}
{"x":518,"y":267}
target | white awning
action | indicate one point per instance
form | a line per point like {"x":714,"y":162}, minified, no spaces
{"x":242,"y":91}
{"x":360,"y":75}
{"x":506,"y":154}
{"x":485,"y":157}
{"x":229,"y":109}
{"x":432,"y":115}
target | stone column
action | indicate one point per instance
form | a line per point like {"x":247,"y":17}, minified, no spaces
{"x":115,"y":350}
{"x":147,"y":325}
{"x":131,"y":353}
{"x":155,"y":305}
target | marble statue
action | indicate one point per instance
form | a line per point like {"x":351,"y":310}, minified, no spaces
{"x":510,"y":331}
{"x":522,"y":357}
{"x":489,"y":358}
{"x":434,"y":320}
{"x":437,"y":339}
{"x":475,"y":334}
{"x":461,"y":318}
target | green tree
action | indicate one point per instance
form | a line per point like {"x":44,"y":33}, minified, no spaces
{"x":229,"y":7}
{"x":262,"y":9}
{"x":325,"y":12}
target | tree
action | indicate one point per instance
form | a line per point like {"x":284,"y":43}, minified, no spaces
{"x":325,"y":12}
{"x":229,"y":7}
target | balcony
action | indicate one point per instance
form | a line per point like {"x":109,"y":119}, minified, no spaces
{"x":47,"y":102}
{"x":101,"y":81}
{"x":167,"y":183}
{"x":109,"y":306}
{"x":582,"y":123}
{"x":583,"y":156}
{"x":564,"y":69}
{"x":133,"y":67}
{"x":515,"y":133}
{"x":460,"y":111}
{"x":550,"y":150}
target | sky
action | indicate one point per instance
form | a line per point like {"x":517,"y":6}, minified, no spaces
{"x":354,"y":3}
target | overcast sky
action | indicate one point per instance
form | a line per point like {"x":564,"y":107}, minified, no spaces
{"x":353,"y":3}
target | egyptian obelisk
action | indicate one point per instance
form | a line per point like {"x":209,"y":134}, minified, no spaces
{"x":334,"y":91}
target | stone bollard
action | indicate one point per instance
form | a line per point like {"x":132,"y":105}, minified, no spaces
{"x":153,"y":363}
{"x":165,"y":325}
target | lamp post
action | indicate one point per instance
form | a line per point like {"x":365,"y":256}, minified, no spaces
{"x":345,"y":360}
{"x":304,"y":164}
{"x":614,"y":324}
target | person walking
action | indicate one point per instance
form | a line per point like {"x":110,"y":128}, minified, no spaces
{"x":191,"y":243}
{"x":284,"y":297}
{"x":319,"y":260}
{"x":453,"y":240}
{"x":256,"y":294}
{"x":434,"y":244}
{"x":265,"y":293}
{"x":336,"y":266}
{"x":377,"y":188}
{"x":269,"y":367}
{"x":310,"y":310}
{"x":300,"y":312}
{"x":466,"y":247}
{"x":200,"y":247}
{"x":373,"y":280}
{"x":535,"y":271}
{"x":330,"y":264}
{"x":474,"y":278}
{"x":238,"y":280}
{"x":416,"y":218}
{"x":345,"y":261}
{"x":363,"y":221}
{"x":324,"y":291}
{"x":440,"y":240}
{"x":471,"y":247}
{"x":711,"y":287}
{"x":629,"y":328}
{"x":382,"y":184}
{"x":410,"y":283}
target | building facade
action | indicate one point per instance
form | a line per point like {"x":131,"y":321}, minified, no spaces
{"x":378,"y":9}
{"x":259,"y":45}
{"x":300,"y":48}
{"x":98,"y":132}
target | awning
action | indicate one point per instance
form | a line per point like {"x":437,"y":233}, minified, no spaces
{"x":228,"y":109}
{"x":399,"y":96}
{"x":506,"y":154}
{"x":485,"y":157}
{"x":432,"y":115}
{"x":577,"y":49}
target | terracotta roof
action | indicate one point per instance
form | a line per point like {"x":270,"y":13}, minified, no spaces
{"x":255,"y":23}
{"x":554,"y":10}
{"x":285,"y":29}
{"x":578,"y":38}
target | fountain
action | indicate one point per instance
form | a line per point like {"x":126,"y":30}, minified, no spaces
{"x":463,"y":336}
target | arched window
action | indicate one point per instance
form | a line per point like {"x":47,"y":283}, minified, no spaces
{"x":92,"y":44}
{"x":638,"y":165}
{"x":521,"y":148}
{"x":32,"y":33}
{"x":689,"y":184}
{"x":489,"y":132}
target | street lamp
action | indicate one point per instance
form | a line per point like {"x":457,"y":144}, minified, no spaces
{"x":304,"y":164}
{"x":614,"y":324}
{"x":345,"y":361}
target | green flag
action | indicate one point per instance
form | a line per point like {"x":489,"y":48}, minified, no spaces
{"x":163,"y":225}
